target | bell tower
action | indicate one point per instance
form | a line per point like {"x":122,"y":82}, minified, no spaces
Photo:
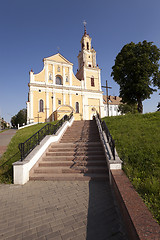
{"x":87,"y":55}
{"x":88,"y":70}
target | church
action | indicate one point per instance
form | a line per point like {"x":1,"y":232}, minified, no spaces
{"x":56,"y":91}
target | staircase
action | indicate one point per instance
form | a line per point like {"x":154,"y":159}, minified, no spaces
{"x":78,"y":156}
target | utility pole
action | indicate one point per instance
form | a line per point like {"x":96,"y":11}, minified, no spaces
{"x":106,"y":87}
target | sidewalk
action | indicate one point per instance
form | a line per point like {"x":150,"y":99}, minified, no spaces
{"x":77,"y":210}
{"x":5,"y":138}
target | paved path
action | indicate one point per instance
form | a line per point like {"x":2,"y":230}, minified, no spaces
{"x":5,"y":138}
{"x":59,"y":210}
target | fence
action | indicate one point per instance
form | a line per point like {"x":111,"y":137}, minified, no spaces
{"x":49,"y":129}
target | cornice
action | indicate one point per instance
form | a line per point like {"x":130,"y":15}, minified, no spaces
{"x":64,"y":88}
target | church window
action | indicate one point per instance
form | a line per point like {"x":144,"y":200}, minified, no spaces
{"x":50,"y":76}
{"x":58,"y":80}
{"x":89,"y":65}
{"x":82,"y":45}
{"x":58,"y":69}
{"x":92,"y":81}
{"x":59,"y":102}
{"x":77,"y":107}
{"x":87,"y":45}
{"x":41,"y":105}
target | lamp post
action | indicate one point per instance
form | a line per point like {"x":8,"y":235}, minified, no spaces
{"x":106,"y":87}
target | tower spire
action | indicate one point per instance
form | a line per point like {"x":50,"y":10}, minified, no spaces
{"x":85,"y":23}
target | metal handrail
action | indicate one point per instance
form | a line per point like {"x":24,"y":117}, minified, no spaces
{"x":49,"y":129}
{"x":109,"y":138}
{"x":108,"y":135}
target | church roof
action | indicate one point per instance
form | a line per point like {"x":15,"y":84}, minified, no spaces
{"x":58,"y":58}
{"x":112,"y":100}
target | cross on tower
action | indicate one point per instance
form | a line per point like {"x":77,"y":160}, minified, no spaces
{"x":107,"y":96}
{"x":84,"y":23}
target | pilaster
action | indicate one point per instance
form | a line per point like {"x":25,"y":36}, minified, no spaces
{"x":53,"y":74}
{"x":64,"y":99}
{"x":46,"y":72}
{"x":64,"y":77}
{"x":31,"y":105}
{"x":70,"y":99}
{"x":100,"y":88}
{"x":47,"y":105}
{"x":70,"y":76}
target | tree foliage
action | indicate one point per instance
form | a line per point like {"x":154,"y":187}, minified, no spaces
{"x":158,"y":106}
{"x":20,"y":118}
{"x":136,"y":70}
{"x":128,"y":108}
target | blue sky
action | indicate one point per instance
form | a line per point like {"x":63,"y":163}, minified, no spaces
{"x":33,"y":29}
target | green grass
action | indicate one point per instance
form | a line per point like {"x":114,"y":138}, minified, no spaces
{"x":12,"y":154}
{"x":137,"y":139}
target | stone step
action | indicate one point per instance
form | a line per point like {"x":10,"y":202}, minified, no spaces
{"x":68,"y":177}
{"x":78,"y":144}
{"x":50,"y":157}
{"x":76,"y":150}
{"x":70,"y":163}
{"x":73,"y":169}
{"x":76,"y":153}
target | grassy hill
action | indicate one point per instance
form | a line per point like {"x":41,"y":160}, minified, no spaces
{"x":137,"y":139}
{"x":12,"y":154}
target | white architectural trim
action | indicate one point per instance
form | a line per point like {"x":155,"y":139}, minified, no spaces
{"x":64,"y":77}
{"x":70,"y":76}
{"x":21,"y":169}
{"x":70,"y":99}
{"x":53,"y":74}
{"x":100,"y":88}
{"x":47,"y":103}
{"x":46,"y":72}
{"x":64,"y":98}
{"x":31,"y":104}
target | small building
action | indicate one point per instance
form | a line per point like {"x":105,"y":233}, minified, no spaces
{"x":56,"y":91}
{"x":113,"y":104}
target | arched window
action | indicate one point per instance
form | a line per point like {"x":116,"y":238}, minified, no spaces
{"x":41,"y":105}
{"x":77,"y":107}
{"x":58,"y":80}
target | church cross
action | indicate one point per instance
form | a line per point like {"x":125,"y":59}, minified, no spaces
{"x":38,"y":118}
{"x":107,"y":96}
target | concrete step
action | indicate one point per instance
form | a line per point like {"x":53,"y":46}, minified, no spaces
{"x":68,"y":177}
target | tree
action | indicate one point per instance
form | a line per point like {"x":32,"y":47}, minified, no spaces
{"x":136,"y":71}
{"x":158,"y":106}
{"x":20,"y":118}
{"x":127,"y":108}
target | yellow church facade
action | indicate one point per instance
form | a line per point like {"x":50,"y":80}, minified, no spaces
{"x":56,"y":91}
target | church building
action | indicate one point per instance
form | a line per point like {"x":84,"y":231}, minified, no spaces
{"x":56,"y":91}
